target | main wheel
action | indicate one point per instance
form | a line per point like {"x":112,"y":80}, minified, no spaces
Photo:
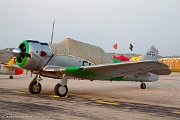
{"x":11,"y":77}
{"x":143,"y":86}
{"x":34,"y":87}
{"x":60,"y":90}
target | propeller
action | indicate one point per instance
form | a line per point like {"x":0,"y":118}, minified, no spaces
{"x":17,"y":52}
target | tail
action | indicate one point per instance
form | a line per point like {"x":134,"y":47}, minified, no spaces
{"x":151,"y":54}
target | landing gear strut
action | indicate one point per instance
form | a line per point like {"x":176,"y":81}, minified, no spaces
{"x":61,"y":89}
{"x":35,"y":86}
{"x":143,"y":86}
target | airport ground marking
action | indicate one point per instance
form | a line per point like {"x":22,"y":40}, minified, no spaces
{"x":56,"y":96}
{"x":19,"y":92}
{"x":107,"y":102}
{"x":176,"y":112}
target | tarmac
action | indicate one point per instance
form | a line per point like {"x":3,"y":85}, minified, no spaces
{"x":91,"y":100}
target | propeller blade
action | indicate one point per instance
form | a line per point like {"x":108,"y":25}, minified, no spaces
{"x":17,"y":52}
{"x":25,"y":54}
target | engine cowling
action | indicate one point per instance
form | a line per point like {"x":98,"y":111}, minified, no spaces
{"x":31,"y":53}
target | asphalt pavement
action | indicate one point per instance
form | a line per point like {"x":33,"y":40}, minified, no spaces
{"x":91,"y":100}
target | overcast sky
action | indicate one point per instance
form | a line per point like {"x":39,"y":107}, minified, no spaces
{"x":99,"y":22}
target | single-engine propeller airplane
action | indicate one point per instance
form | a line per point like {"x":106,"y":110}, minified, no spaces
{"x":10,"y":69}
{"x":40,"y":58}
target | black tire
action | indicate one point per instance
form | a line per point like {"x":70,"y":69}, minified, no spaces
{"x":11,"y":77}
{"x":34,"y":88}
{"x":64,"y":90}
{"x":143,"y":86}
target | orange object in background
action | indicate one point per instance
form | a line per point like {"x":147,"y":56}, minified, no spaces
{"x":115,"y":46}
{"x":173,"y":63}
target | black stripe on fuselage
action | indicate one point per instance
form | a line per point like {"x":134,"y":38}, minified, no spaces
{"x":34,"y":41}
{"x":43,"y":43}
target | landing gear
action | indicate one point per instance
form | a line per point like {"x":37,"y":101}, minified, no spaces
{"x":61,"y":89}
{"x":35,"y":86}
{"x":143,"y":86}
{"x":11,"y":77}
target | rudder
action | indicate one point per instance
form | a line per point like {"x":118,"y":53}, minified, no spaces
{"x":151,"y":54}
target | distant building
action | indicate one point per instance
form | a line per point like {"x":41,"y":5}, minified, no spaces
{"x":173,"y":63}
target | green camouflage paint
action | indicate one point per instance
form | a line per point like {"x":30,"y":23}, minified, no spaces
{"x":79,"y":72}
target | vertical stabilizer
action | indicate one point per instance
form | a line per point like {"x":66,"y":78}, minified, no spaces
{"x":151,"y":54}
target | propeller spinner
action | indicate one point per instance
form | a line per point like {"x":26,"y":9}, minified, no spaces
{"x":16,"y":52}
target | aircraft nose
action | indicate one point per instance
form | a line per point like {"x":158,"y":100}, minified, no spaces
{"x":16,"y":52}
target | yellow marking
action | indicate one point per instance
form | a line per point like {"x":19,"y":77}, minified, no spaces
{"x":107,"y":102}
{"x":19,"y":92}
{"x":55,"y":96}
{"x":176,"y":112}
{"x":12,"y":61}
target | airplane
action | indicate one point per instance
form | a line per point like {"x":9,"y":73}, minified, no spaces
{"x":39,"y":58}
{"x":10,"y":69}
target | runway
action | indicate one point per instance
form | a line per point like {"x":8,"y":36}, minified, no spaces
{"x":86,"y":100}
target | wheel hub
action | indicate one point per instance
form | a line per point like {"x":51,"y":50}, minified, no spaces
{"x":35,"y":88}
{"x":62,"y":90}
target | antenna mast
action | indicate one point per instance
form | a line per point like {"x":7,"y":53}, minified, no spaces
{"x":52,"y":31}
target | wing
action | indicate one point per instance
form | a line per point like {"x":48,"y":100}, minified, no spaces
{"x":12,"y":66}
{"x":109,"y":71}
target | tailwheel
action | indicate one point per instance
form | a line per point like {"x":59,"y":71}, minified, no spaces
{"x":11,"y":77}
{"x":143,"y":86}
{"x":34,"y":87}
{"x":61,"y":90}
